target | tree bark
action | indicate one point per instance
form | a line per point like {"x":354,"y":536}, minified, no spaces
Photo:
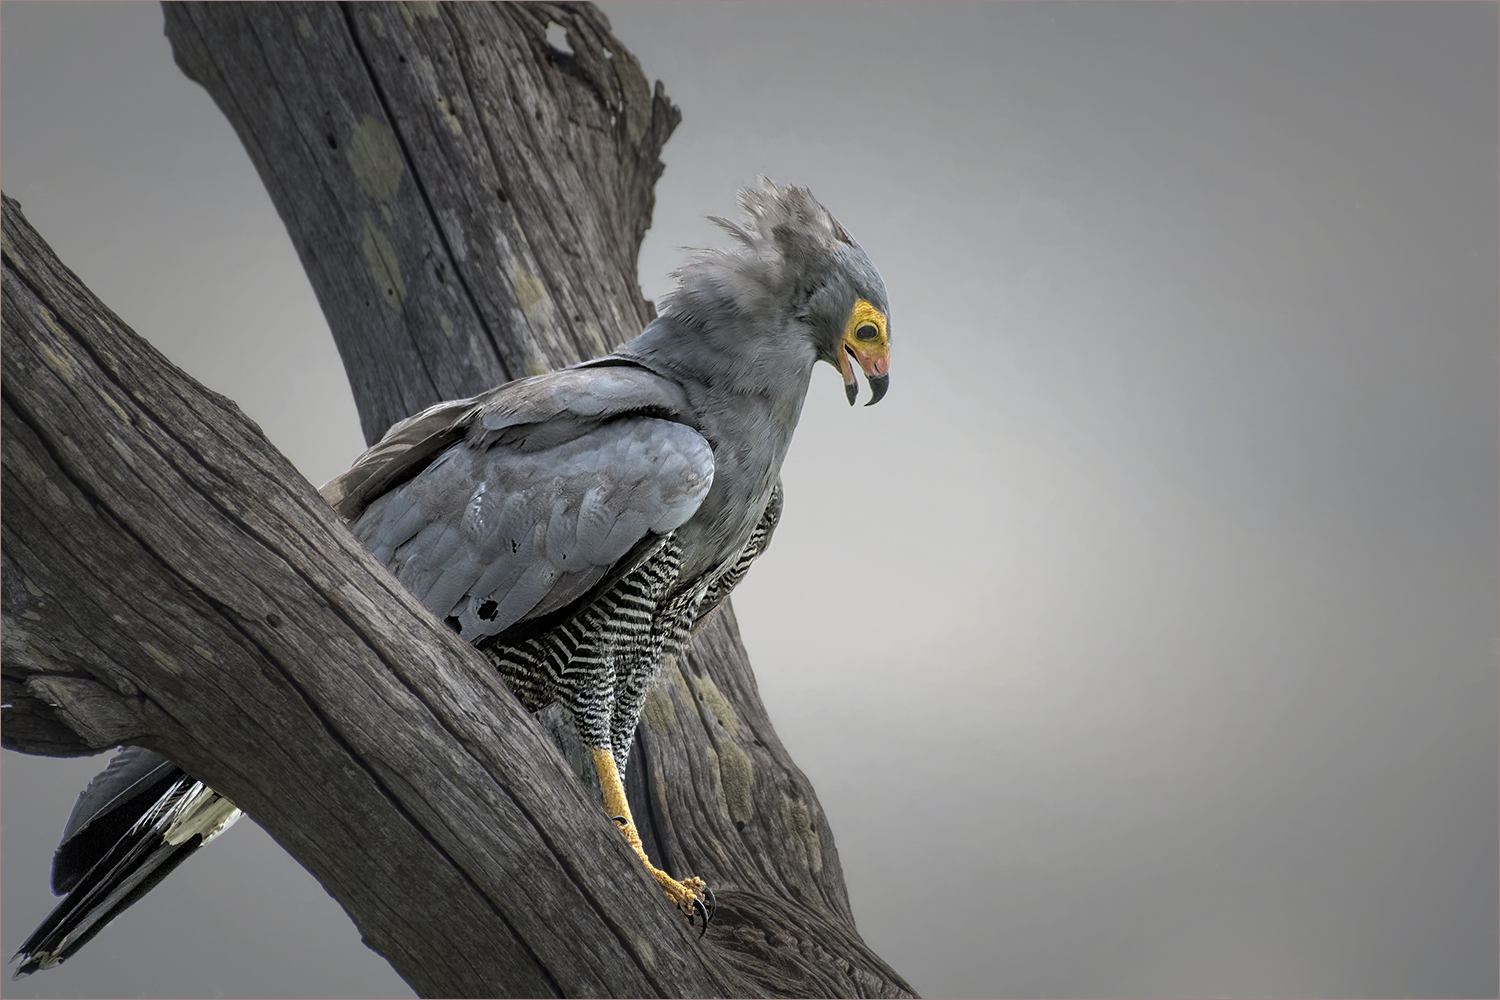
{"x":469,"y":203}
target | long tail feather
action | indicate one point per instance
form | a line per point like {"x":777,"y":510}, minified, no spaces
{"x":132,"y":843}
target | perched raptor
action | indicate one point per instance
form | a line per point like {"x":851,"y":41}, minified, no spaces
{"x":577,"y":526}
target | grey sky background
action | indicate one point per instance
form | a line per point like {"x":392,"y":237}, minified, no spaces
{"x":1143,"y":642}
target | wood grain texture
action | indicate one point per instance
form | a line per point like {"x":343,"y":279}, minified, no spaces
{"x":169,"y":580}
{"x":468,"y":202}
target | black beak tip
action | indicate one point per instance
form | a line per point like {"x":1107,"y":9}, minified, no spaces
{"x":851,"y":389}
{"x":878,"y":386}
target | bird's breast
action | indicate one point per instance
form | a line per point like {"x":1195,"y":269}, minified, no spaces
{"x":746,"y":468}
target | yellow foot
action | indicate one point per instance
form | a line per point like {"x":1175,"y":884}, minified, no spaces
{"x":692,"y":895}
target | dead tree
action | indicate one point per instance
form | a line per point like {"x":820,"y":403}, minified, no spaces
{"x":468,"y":202}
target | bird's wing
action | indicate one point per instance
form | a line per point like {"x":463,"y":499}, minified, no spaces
{"x":562,"y":403}
{"x":400,"y":454}
{"x":551,"y":485}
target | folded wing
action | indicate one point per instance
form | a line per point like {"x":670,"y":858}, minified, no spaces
{"x":522,"y":502}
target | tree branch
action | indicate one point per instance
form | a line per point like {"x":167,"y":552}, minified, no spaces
{"x":170,"y":581}
{"x":468,"y":202}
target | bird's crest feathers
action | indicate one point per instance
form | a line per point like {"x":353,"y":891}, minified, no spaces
{"x":785,"y":233}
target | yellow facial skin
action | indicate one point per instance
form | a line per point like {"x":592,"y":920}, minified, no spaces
{"x":867,"y":340}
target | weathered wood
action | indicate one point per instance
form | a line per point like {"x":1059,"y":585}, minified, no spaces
{"x":169,"y":580}
{"x":468,"y":203}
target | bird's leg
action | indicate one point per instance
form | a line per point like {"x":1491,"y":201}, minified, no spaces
{"x":691,"y":895}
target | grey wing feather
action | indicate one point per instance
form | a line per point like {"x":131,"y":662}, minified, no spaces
{"x":551,"y":485}
{"x":406,"y":447}
{"x":538,"y":412}
{"x":490,"y":565}
{"x":545,"y":411}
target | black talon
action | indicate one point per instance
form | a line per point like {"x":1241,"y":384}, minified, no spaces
{"x":712,"y":903}
{"x":698,"y":907}
{"x":620,"y":820}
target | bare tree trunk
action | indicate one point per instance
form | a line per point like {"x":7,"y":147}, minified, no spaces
{"x":468,"y":203}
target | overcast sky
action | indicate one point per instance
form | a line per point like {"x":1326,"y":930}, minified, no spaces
{"x":1160,"y":593}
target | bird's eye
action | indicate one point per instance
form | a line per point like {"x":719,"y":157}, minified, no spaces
{"x":867,"y":332}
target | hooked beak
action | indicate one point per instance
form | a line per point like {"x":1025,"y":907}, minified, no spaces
{"x":875,"y":360}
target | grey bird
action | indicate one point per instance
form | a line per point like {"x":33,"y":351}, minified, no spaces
{"x":578,"y":526}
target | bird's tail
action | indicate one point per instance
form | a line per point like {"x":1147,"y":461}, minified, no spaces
{"x":135,"y":822}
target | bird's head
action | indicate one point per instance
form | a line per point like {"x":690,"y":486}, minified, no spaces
{"x":799,"y":276}
{"x":846,"y":314}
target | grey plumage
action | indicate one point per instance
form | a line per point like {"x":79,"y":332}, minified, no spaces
{"x":549,"y":483}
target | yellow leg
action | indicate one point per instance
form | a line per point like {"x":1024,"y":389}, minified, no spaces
{"x":687,"y":895}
